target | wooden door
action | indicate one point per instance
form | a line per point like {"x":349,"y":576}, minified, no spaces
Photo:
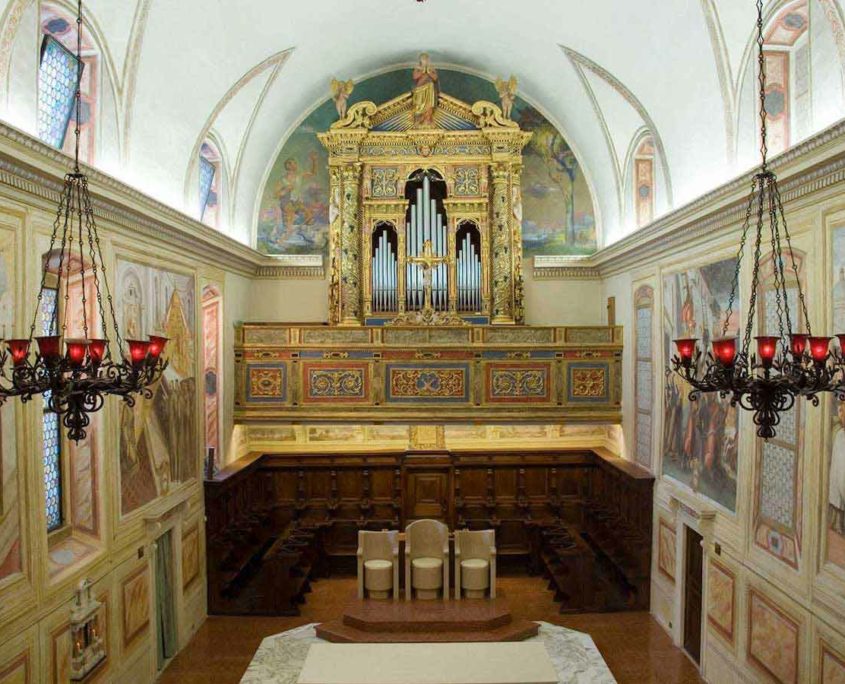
{"x":693,"y":580}
{"x":427,"y":495}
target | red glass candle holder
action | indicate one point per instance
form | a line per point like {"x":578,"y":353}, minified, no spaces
{"x":49,"y":347}
{"x":724,"y":349}
{"x":157,"y":345}
{"x":138,"y":350}
{"x":97,"y":350}
{"x":798,"y":344}
{"x":75,"y":350}
{"x":767,"y":348}
{"x":686,"y":349}
{"x":19,"y":349}
{"x":819,"y":347}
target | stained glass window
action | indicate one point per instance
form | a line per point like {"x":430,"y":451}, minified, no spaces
{"x":57,"y":79}
{"x":51,"y":437}
{"x":207,"y":172}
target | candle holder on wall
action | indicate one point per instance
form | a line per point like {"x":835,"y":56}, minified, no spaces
{"x":86,"y":633}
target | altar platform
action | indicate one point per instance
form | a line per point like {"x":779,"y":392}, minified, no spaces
{"x":280,"y":657}
{"x":376,"y":621}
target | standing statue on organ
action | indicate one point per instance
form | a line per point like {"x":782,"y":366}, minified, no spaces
{"x":507,"y":94}
{"x":425,"y":92}
{"x":341,"y":90}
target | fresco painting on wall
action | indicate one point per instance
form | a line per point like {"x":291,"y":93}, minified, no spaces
{"x":158,"y":437}
{"x":558,"y":215}
{"x":10,"y":551}
{"x":836,"y":425}
{"x":699,"y":437}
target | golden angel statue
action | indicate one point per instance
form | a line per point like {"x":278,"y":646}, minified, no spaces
{"x":425,"y":91}
{"x":341,"y":90}
{"x":507,"y":94}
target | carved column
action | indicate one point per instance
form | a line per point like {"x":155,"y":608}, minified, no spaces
{"x":350,"y":246}
{"x":334,"y":244}
{"x":516,"y":244}
{"x":501,"y":250}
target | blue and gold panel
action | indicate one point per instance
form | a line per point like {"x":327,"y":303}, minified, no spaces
{"x":431,"y":383}
{"x":266,"y":382}
{"x":588,"y":382}
{"x":336,"y":382}
{"x":518,"y":383}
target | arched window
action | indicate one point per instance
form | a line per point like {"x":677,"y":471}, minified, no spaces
{"x":644,"y":185}
{"x":210,"y":183}
{"x":57,"y":79}
{"x":787,"y":61}
{"x":70,"y":468}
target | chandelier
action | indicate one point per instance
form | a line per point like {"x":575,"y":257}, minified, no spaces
{"x":75,"y":382}
{"x":787,"y":365}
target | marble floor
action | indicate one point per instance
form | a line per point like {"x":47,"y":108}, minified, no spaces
{"x":634,"y":646}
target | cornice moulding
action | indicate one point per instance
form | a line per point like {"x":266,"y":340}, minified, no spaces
{"x":28,"y":165}
{"x":809,"y":167}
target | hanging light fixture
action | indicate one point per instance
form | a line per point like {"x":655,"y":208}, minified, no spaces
{"x":787,"y":365}
{"x":75,"y":382}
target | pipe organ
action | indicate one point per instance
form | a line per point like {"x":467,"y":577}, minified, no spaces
{"x":425,"y":221}
{"x":425,"y":249}
{"x":385,"y":283}
{"x":469,"y":274}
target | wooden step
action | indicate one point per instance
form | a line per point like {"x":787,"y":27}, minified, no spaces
{"x":337,"y":632}
{"x":466,"y":615}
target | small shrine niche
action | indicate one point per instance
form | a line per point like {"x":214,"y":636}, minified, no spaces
{"x":86,"y":633}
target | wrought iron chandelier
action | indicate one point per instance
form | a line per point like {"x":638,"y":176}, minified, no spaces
{"x":74,"y":384}
{"x":785,"y":366}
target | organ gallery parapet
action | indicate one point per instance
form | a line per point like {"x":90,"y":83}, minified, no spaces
{"x":427,"y":374}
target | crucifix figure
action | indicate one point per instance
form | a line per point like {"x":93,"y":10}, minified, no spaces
{"x":427,"y":261}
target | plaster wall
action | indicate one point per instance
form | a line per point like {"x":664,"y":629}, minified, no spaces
{"x":766,"y":616}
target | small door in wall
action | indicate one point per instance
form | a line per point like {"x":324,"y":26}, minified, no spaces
{"x":693,"y":583}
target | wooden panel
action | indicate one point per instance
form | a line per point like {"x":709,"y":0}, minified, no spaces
{"x":427,"y":495}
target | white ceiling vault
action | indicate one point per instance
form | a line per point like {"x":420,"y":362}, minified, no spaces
{"x":246,"y":73}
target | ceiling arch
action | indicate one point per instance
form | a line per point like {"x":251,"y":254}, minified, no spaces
{"x":175,"y":63}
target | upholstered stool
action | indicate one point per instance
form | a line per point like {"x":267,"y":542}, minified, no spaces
{"x":378,"y":578}
{"x":428,"y":577}
{"x":475,"y":577}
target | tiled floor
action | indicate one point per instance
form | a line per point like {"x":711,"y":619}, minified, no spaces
{"x":635,"y":648}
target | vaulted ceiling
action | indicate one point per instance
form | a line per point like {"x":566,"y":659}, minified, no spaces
{"x":248,"y":72}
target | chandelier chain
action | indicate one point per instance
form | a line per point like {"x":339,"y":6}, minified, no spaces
{"x":735,"y":285}
{"x":794,"y":264}
{"x":755,"y":278}
{"x":761,"y":77}
{"x":55,"y":232}
{"x":781,"y":305}
{"x":109,"y":299}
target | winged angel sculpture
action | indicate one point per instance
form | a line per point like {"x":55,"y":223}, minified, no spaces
{"x":507,"y":94}
{"x":341,"y":90}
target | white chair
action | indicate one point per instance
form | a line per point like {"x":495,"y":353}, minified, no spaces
{"x":475,"y":563}
{"x":378,"y":564}
{"x":426,"y":559}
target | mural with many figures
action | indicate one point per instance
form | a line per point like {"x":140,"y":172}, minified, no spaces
{"x":699,"y":437}
{"x":10,"y":551}
{"x":558,"y":214}
{"x":158,"y":437}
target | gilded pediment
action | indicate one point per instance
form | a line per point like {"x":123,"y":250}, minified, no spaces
{"x":397,"y":116}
